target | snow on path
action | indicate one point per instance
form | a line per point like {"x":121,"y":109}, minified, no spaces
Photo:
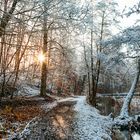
{"x":48,"y":106}
{"x":89,"y":123}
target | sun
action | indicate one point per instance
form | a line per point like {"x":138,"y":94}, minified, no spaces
{"x":41,"y":57}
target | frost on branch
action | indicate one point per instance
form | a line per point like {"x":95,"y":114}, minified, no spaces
{"x":134,"y":9}
{"x":125,"y":108}
{"x":130,"y":36}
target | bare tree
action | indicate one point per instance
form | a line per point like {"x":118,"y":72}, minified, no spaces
{"x":7,"y":15}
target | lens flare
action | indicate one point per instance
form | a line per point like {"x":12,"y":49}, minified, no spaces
{"x":41,"y":57}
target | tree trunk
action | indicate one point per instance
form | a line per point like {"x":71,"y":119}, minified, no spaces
{"x":125,"y":108}
{"x":43,"y":79}
{"x":17,"y":64}
{"x":3,"y":68}
{"x":92,"y":98}
{"x":7,"y":16}
{"x":88,"y":73}
{"x":44,"y":51}
{"x":99,"y":50}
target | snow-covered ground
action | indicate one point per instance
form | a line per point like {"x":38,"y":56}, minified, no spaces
{"x":136,"y":102}
{"x":87,"y":124}
{"x":90,"y":124}
{"x":27,"y":90}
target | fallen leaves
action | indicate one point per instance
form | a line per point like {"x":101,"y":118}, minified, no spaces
{"x":15,"y":116}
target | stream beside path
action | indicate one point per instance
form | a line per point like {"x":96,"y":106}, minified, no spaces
{"x":110,"y":104}
{"x":74,"y":119}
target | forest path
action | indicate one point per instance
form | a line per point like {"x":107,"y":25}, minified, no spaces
{"x":72,"y":119}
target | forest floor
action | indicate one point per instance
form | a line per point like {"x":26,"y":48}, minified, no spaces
{"x":72,"y":119}
{"x":16,"y":113}
{"x":40,"y":118}
{"x":53,"y":118}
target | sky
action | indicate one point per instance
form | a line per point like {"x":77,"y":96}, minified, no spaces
{"x":125,"y":21}
{"x":123,"y":3}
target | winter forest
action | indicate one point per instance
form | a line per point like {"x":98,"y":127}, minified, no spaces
{"x":69,"y":70}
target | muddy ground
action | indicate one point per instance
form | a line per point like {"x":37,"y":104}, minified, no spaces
{"x":54,"y":125}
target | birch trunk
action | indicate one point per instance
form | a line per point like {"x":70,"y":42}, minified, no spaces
{"x":125,"y":108}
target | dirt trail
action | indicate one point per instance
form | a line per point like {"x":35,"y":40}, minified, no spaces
{"x":72,"y":119}
{"x":54,"y":125}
